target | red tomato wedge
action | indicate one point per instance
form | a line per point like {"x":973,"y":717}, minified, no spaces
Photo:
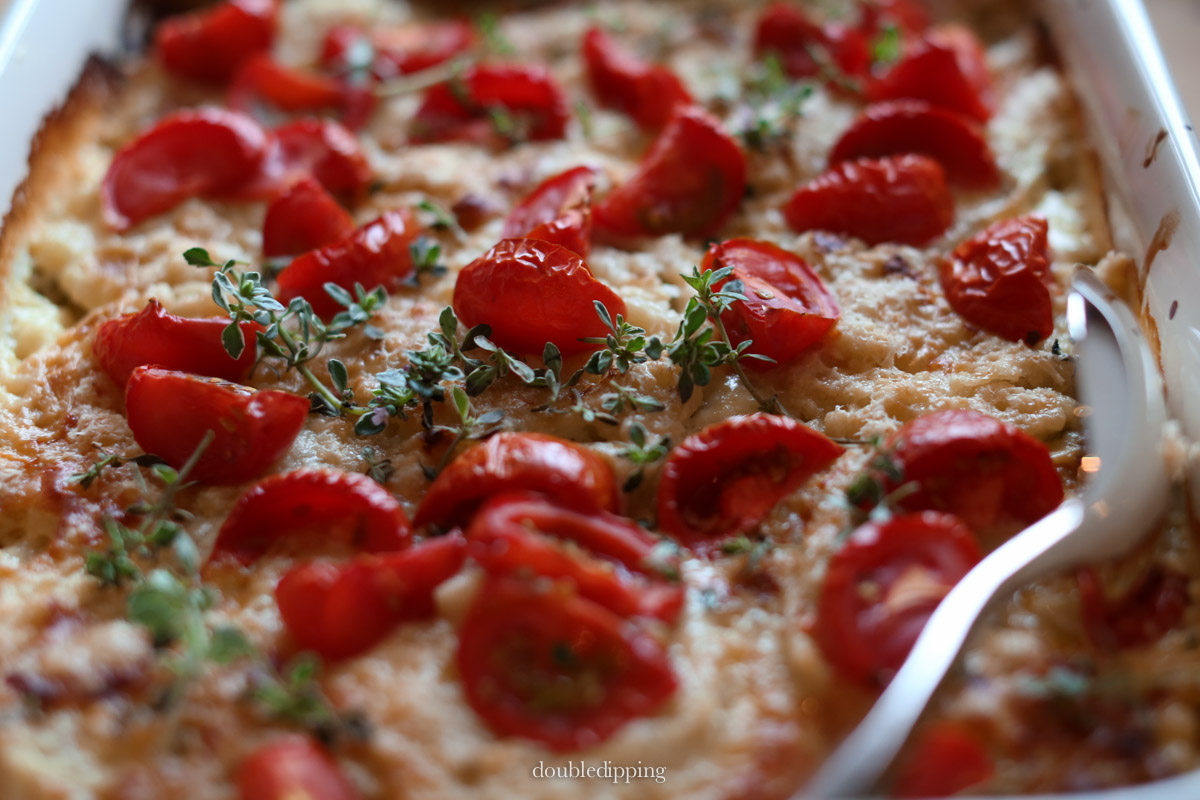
{"x":690,"y":182}
{"x":557,"y":669}
{"x":493,"y":105}
{"x":788,"y":309}
{"x":325,"y":502}
{"x":319,"y":148}
{"x":286,"y":88}
{"x":387,"y":52}
{"x":787,"y":33}
{"x":612,"y":562}
{"x":882,"y":586}
{"x":170,"y":412}
{"x":290,"y":768}
{"x":903,"y":199}
{"x":304,"y":218}
{"x":1141,"y":616}
{"x":208,"y":152}
{"x":342,"y":610}
{"x":567,"y":473}
{"x":152,"y":336}
{"x":377,"y":254}
{"x":559,"y":210}
{"x":946,"y":759}
{"x":531,"y":292}
{"x":947,"y":69}
{"x":211,"y":44}
{"x":1000,"y":280}
{"x":914,"y":126}
{"x":724,"y":480}
{"x":620,"y":80}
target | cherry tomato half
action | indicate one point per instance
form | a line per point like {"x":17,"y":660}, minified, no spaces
{"x":170,"y":412}
{"x":318,"y":147}
{"x":290,"y":768}
{"x":304,"y":218}
{"x":611,"y":563}
{"x":946,"y":759}
{"x":690,"y":182}
{"x":620,"y":80}
{"x":493,"y":104}
{"x":531,"y":292}
{"x":210,"y":45}
{"x":947,"y":69}
{"x":724,"y":480}
{"x":328,"y":502}
{"x":787,"y":33}
{"x":914,"y":126}
{"x":788,"y":309}
{"x":388,"y":52}
{"x":286,"y":88}
{"x":1141,"y":616}
{"x":556,"y":668}
{"x":208,"y":152}
{"x":152,"y":336}
{"x":559,"y":210}
{"x":339,"y":610}
{"x":882,"y":586}
{"x":901,"y":199}
{"x":567,"y":473}
{"x":377,"y":254}
{"x":1000,"y":280}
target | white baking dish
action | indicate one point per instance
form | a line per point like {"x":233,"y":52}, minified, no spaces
{"x":1146,"y":146}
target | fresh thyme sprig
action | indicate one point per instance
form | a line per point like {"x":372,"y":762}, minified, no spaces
{"x":888,"y":45}
{"x":773,"y":101}
{"x":469,"y":426}
{"x":624,"y":346}
{"x":642,"y":453}
{"x":868,"y":496}
{"x":440,"y":219}
{"x":427,"y":259}
{"x":494,"y":39}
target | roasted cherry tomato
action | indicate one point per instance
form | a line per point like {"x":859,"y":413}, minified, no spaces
{"x":787,"y":33}
{"x":170,"y":412}
{"x":620,"y":80}
{"x":321,"y":148}
{"x":211,"y":44}
{"x":152,"y":336}
{"x":329,"y":503}
{"x":559,"y":210}
{"x":286,"y":88}
{"x":882,"y":586}
{"x":613,"y":561}
{"x":901,"y":199}
{"x":971,"y":465}
{"x":787,"y":310}
{"x":204,"y":153}
{"x":342,"y":610}
{"x":531,"y":292}
{"x":387,"y":52}
{"x":1141,"y":616}
{"x":724,"y":480}
{"x":304,"y":218}
{"x":567,"y":473}
{"x":690,"y":182}
{"x":555,"y":668}
{"x":377,"y":254}
{"x":946,"y":759}
{"x":947,"y":69}
{"x":291,"y":768}
{"x":914,"y":126}
{"x":1000,"y":280}
{"x":493,"y":104}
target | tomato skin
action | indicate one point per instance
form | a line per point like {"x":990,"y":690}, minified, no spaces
{"x":910,"y":563}
{"x":567,"y":473}
{"x":304,"y":218}
{"x":522,"y":534}
{"x":288,"y":89}
{"x":531,"y":292}
{"x":169,"y":413}
{"x":789,"y":309}
{"x":557,"y":211}
{"x":620,"y":80}
{"x":690,"y":182}
{"x":152,"y":336}
{"x":460,"y":113}
{"x":208,"y":152}
{"x":1152,"y":606}
{"x":786,"y":32}
{"x":1000,"y":280}
{"x":377,"y":254}
{"x":908,"y":15}
{"x":321,"y":148}
{"x":532,"y":663}
{"x":210,"y":45}
{"x":397,"y":51}
{"x":945,"y":760}
{"x":724,"y":480}
{"x":914,"y":126}
{"x":947,"y":69}
{"x":281,"y":505}
{"x":292,"y":767}
{"x":903,"y":199}
{"x":342,"y":610}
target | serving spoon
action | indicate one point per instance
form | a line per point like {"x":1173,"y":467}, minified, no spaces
{"x":1122,"y":393}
